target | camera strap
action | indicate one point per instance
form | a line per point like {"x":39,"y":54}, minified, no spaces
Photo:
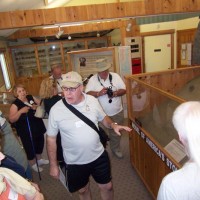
{"x":110,"y":87}
{"x":110,"y":79}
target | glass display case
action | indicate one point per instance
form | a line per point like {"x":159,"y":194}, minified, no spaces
{"x":48,"y":55}
{"x":97,"y":43}
{"x":152,"y":112}
{"x":24,"y":60}
{"x":36,"y":59}
{"x":155,"y":148}
{"x":32,"y":63}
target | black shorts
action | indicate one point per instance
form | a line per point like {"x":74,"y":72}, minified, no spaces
{"x":78,"y":175}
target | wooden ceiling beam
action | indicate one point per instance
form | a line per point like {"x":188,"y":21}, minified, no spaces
{"x":41,"y":17}
{"x":91,"y":27}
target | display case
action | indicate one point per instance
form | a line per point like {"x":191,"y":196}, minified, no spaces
{"x":155,"y":149}
{"x":97,"y":43}
{"x":32,"y":63}
{"x":25,"y":61}
{"x":36,"y":59}
{"x":48,"y":55}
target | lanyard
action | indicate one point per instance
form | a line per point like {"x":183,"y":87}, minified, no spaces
{"x":110,"y":79}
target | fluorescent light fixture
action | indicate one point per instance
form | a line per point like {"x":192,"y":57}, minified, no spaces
{"x":5,"y":71}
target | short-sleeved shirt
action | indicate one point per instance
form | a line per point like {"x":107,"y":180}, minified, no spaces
{"x":183,"y":184}
{"x":80,"y":143}
{"x":94,"y":84}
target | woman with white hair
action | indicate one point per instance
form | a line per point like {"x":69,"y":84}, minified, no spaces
{"x":184,"y":184}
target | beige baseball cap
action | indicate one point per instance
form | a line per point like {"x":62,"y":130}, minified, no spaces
{"x":71,"y":79}
{"x":102,"y":65}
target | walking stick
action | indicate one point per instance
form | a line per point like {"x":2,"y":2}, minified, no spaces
{"x":31,"y":137}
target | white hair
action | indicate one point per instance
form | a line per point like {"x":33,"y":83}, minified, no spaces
{"x":186,"y":120}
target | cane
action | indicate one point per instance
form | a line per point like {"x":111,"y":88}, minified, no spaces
{"x":31,"y":137}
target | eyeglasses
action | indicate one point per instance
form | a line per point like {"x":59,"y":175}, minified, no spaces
{"x":71,"y":89}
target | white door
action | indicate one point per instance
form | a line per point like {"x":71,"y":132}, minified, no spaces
{"x":157,"y":51}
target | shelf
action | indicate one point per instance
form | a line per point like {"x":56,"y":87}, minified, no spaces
{"x":41,"y":56}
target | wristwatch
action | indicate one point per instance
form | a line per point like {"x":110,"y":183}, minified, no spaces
{"x":112,"y":124}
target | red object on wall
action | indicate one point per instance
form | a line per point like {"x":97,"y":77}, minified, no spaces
{"x":136,"y":65}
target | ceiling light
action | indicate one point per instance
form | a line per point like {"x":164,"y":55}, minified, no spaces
{"x":69,"y":37}
{"x":59,"y":33}
{"x":128,"y":27}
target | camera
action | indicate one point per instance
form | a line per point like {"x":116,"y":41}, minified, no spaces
{"x":109,"y":92}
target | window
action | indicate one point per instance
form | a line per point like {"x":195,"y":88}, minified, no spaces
{"x":4,"y":72}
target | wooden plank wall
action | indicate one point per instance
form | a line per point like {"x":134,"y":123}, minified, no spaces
{"x":184,"y":36}
{"x":32,"y":84}
{"x":28,"y":18}
{"x":147,"y":163}
{"x":171,"y":80}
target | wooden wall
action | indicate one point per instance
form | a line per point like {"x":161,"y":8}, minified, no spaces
{"x":147,"y":163}
{"x":171,"y":80}
{"x":28,"y":18}
{"x":184,"y":36}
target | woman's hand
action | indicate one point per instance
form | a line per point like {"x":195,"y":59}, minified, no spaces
{"x":34,"y":107}
{"x":24,"y":109}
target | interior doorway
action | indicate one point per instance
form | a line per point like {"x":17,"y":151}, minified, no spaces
{"x":158,"y":52}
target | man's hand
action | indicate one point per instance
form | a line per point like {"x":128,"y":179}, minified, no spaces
{"x":102,"y":92}
{"x":117,"y":128}
{"x":54,"y":171}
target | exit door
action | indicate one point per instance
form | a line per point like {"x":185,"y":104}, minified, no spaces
{"x":157,"y":52}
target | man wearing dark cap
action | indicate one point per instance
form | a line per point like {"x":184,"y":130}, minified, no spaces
{"x":82,"y":150}
{"x":108,"y":87}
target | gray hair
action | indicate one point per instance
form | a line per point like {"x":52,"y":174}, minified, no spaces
{"x":186,"y":120}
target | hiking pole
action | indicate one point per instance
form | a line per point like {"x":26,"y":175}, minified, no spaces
{"x":31,"y":137}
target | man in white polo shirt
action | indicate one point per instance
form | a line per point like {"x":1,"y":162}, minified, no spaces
{"x":83,"y":152}
{"x":108,"y":87}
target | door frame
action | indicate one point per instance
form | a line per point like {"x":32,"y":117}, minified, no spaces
{"x":154,"y":33}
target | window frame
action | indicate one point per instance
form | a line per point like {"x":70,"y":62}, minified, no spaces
{"x":5,"y":70}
